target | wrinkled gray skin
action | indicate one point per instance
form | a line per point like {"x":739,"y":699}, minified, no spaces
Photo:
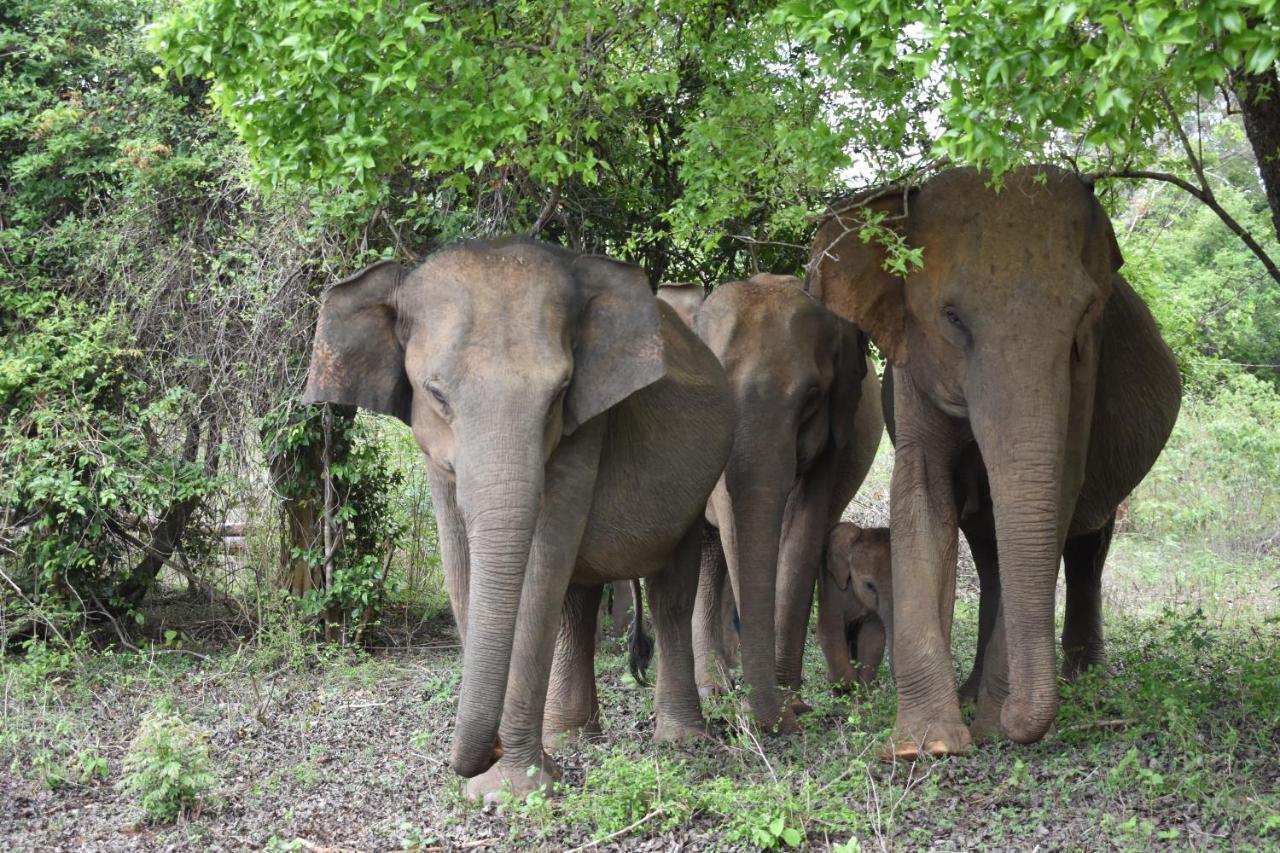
{"x":573,"y":429}
{"x":808,"y":424}
{"x":855,"y":604}
{"x":1019,"y":341}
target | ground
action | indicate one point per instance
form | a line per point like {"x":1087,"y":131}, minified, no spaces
{"x":319,"y":748}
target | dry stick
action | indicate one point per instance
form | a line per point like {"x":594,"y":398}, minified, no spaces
{"x":611,"y":836}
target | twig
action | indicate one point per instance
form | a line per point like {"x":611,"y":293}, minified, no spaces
{"x":1099,"y":724}
{"x":611,"y":836}
{"x":548,"y":209}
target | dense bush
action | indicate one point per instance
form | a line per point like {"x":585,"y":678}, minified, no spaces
{"x":84,"y":448}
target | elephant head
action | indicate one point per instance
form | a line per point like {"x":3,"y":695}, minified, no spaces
{"x":998,"y":332}
{"x":858,"y":565}
{"x":684,"y":297}
{"x":492,"y":353}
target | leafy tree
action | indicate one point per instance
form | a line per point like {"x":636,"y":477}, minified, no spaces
{"x":648,"y":131}
{"x":1087,"y":79}
{"x":151,"y":301}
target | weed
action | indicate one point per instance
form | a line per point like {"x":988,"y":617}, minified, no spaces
{"x":167,"y":767}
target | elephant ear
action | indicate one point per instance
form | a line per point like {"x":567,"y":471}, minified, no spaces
{"x":848,"y":276}
{"x":1101,"y":252}
{"x":357,"y":358}
{"x":618,"y":349}
{"x":846,"y":388}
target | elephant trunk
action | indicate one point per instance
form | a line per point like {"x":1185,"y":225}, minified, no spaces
{"x":499,"y":493}
{"x":754,"y":497}
{"x":1023,"y":439}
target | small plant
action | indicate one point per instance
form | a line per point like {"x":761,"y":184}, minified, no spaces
{"x":167,"y":766}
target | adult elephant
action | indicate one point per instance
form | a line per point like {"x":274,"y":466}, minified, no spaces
{"x":573,"y":429}
{"x":808,"y":424}
{"x":1017,"y":340}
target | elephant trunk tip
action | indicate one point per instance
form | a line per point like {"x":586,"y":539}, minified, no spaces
{"x":471,"y":762}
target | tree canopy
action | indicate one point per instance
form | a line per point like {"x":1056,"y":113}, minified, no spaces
{"x":758,"y":111}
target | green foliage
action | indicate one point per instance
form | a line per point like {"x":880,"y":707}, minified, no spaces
{"x":167,"y":767}
{"x":1214,"y":301}
{"x":364,"y":520}
{"x":1218,"y":479}
{"x":79,"y":438}
{"x":659,"y":129}
{"x":1019,"y":79}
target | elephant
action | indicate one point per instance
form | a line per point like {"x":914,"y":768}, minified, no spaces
{"x":855,"y":604}
{"x":573,"y":429}
{"x":807,"y":428}
{"x":1017,"y":342}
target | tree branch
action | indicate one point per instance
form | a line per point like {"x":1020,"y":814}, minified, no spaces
{"x":1207,"y":198}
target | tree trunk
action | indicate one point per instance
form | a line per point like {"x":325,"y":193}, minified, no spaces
{"x":1259,"y":96}
{"x":171,"y":527}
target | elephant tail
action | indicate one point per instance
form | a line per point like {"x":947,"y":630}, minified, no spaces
{"x":641,"y":646}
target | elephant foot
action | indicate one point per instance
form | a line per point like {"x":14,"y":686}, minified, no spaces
{"x":504,"y":780}
{"x":556,"y":737}
{"x":1077,"y":662}
{"x":986,"y":720}
{"x":968,"y":690}
{"x":798,"y":706}
{"x":679,"y":731}
{"x":788,"y":722}
{"x":913,"y":741}
{"x":712,"y":691}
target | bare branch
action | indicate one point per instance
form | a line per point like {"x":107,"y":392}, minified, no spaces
{"x":1207,"y":198}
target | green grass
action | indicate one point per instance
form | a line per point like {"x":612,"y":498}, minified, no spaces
{"x":1179,"y":744}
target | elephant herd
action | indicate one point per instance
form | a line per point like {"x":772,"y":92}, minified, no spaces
{"x":579,"y":431}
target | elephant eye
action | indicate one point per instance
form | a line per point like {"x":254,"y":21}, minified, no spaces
{"x":953,"y":317}
{"x":438,"y":396}
{"x":869,"y":585}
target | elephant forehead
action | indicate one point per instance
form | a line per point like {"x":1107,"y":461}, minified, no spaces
{"x":1030,"y":205}
{"x":762,"y":313}
{"x":492,"y":304}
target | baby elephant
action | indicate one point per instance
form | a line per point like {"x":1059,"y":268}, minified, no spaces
{"x":855,"y":604}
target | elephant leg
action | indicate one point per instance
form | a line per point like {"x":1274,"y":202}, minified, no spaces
{"x":925,"y":539}
{"x":454,"y":551}
{"x":709,"y":641}
{"x":524,"y":766}
{"x":572,"y":705}
{"x":804,"y":538}
{"x":833,"y":638}
{"x":621,"y":608}
{"x":1082,"y":640}
{"x":984,"y":558}
{"x":672,"y":594}
{"x":728,"y":617}
{"x":868,"y":647}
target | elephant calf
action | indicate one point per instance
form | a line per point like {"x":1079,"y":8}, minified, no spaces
{"x":855,"y":604}
{"x":573,"y":429}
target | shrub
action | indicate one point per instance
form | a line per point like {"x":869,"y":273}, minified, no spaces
{"x":167,"y":766}
{"x":89,"y":457}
